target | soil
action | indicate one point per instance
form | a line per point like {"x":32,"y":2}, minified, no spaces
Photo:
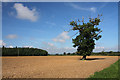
{"x":54,"y":66}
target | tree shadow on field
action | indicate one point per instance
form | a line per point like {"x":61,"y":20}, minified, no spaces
{"x":90,"y":59}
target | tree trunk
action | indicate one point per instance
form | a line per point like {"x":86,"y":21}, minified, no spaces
{"x":84,"y":57}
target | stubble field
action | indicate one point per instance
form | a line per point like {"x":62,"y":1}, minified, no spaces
{"x":54,"y":66}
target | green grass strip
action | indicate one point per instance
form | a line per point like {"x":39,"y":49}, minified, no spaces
{"x":110,"y":73}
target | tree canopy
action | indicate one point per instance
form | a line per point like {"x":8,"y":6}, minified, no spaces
{"x":17,"y":51}
{"x":87,"y":34}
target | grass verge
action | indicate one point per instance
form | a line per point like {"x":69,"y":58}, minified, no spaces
{"x":110,"y":73}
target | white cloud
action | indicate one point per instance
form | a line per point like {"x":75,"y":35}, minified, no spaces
{"x":27,"y":46}
{"x":23,"y":12}
{"x":61,"y":50}
{"x":92,"y":9}
{"x":48,"y":44}
{"x":52,"y":49}
{"x":101,"y":48}
{"x":2,"y":43}
{"x":62,"y":37}
{"x":11,"y":36}
{"x":10,"y":46}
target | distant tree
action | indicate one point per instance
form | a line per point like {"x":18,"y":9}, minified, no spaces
{"x":3,"y":47}
{"x":87,"y":34}
{"x":73,"y":53}
{"x":16,"y":47}
{"x":68,"y":53}
{"x":103,"y":52}
{"x":111,"y":52}
{"x":56,"y":54}
{"x":23,"y":52}
{"x":64,"y":53}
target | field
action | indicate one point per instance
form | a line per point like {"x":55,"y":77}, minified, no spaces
{"x":54,"y":66}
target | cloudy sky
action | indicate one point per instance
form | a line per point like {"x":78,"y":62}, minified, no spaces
{"x":42,"y":24}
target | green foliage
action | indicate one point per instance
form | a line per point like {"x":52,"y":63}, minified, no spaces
{"x":107,"y":53}
{"x":111,"y":52}
{"x":23,"y":52}
{"x":73,"y":54}
{"x":110,"y":72}
{"x":68,"y":53}
{"x":88,"y":33}
{"x":93,"y":54}
{"x":64,"y":53}
{"x":56,"y":54}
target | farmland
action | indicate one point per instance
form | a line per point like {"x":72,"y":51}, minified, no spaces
{"x":54,"y":66}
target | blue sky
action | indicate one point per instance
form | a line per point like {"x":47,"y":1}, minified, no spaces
{"x":42,"y":24}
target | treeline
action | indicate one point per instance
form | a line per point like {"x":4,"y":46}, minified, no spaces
{"x":17,"y":51}
{"x":64,"y":54}
{"x":110,"y":53}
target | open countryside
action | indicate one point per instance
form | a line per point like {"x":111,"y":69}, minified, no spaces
{"x":54,"y":66}
{"x":60,"y":40}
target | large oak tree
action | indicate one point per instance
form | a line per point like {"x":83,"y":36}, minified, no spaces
{"x":87,"y":34}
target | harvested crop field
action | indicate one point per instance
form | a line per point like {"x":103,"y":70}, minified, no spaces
{"x":54,"y":66}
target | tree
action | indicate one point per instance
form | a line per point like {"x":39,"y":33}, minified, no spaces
{"x":23,"y":52}
{"x":87,"y":34}
{"x":68,"y":53}
{"x":110,"y":51}
{"x":57,"y":54}
{"x":16,"y":47}
{"x":64,"y":53}
{"x":3,"y":46}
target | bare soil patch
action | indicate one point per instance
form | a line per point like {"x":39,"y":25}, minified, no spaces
{"x":54,"y":66}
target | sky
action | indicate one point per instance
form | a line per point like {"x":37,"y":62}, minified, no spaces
{"x":43,"y":24}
